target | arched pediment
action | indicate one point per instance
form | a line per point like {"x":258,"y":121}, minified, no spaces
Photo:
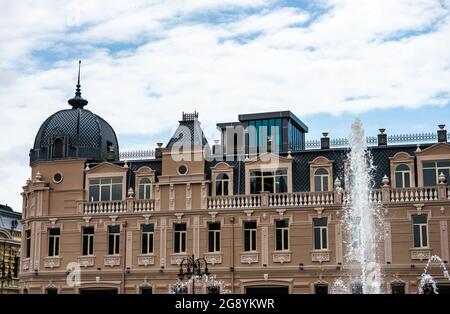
{"x":145,"y":170}
{"x":222,"y":166}
{"x":401,"y":156}
{"x":321,"y":160}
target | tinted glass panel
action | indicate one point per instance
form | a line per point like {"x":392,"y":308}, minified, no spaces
{"x":429,"y":177}
{"x":148,"y":228}
{"x":420,"y":219}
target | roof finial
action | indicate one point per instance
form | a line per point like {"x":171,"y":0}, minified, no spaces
{"x":78,"y":101}
{"x":78,"y":92}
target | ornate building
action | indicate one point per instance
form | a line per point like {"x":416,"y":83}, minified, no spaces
{"x":10,"y":236}
{"x":262,"y":207}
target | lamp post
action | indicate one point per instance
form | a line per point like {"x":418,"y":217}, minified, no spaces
{"x":191,"y":267}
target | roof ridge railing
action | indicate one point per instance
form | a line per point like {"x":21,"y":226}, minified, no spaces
{"x":137,"y":154}
{"x":373,"y":140}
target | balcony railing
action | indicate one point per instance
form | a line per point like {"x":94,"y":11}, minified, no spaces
{"x":117,"y":207}
{"x":384,"y":195}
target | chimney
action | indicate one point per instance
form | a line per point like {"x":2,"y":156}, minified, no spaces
{"x":325,"y":141}
{"x":217,"y":148}
{"x":382,"y":138}
{"x":158,"y":152}
{"x":442,"y":133}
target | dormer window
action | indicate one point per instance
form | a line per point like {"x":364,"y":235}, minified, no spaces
{"x":105,"y":189}
{"x":432,"y":170}
{"x":321,"y":178}
{"x":57,"y":149}
{"x":222,"y":182}
{"x":145,"y":189}
{"x":402,"y":176}
{"x":273,"y":181}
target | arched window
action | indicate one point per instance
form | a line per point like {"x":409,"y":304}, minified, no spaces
{"x":145,"y":189}
{"x":58,"y":148}
{"x":321,"y":180}
{"x":402,"y":176}
{"x":222,"y":181}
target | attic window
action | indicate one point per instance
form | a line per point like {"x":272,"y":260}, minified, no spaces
{"x":58,"y":148}
{"x":110,"y":146}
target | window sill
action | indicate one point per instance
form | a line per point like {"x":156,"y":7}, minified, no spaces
{"x":177,"y":258}
{"x":249,"y":257}
{"x":420,"y":253}
{"x":86,"y":260}
{"x":281,"y":257}
{"x":146,"y":259}
{"x":26,"y":264}
{"x":52,"y":262}
{"x":213,"y":257}
{"x":320,"y":256}
{"x":112,"y":260}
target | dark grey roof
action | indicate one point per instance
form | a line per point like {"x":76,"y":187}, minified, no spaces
{"x":7,"y":216}
{"x":86,"y":133}
{"x":188,"y":133}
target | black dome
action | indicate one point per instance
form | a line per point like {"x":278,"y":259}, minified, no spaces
{"x":75,"y":133}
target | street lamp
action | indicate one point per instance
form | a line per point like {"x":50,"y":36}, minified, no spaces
{"x":193,"y":267}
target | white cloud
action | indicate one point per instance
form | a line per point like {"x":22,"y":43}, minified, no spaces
{"x":357,"y":56}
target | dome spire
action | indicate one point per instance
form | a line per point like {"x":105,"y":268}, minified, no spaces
{"x":78,"y":101}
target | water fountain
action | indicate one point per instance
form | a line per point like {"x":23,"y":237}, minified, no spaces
{"x":362,"y":218}
{"x":427,"y":281}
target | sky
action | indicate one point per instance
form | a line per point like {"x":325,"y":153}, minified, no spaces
{"x":145,"y":62}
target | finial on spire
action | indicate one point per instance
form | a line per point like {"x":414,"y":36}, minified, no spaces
{"x":78,"y":101}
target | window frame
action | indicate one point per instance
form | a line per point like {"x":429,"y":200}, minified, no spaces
{"x":284,"y":231}
{"x":402,"y":174}
{"x":322,"y":177}
{"x":252,"y":234}
{"x":216,"y":240}
{"x":224,"y":191}
{"x":438,"y":170}
{"x":100,"y":185}
{"x":28,"y":243}
{"x":115,"y":237}
{"x":88,"y":240}
{"x":142,"y":188}
{"x":182,"y":238}
{"x":321,"y":229}
{"x":54,"y":242}
{"x":149,"y":249}
{"x":421,"y":233}
{"x":272,"y":176}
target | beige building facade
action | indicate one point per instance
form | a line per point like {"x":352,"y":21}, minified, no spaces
{"x":265,"y":222}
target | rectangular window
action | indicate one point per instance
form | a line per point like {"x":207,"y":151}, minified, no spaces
{"x":214,"y":237}
{"x":113,"y":240}
{"x":88,"y":241}
{"x":420,"y":231}
{"x":147,"y":238}
{"x":398,"y":288}
{"x":105,"y":189}
{"x":320,"y":233}
{"x":273,"y":181}
{"x":250,"y":236}
{"x":179,"y":238}
{"x":432,"y":170}
{"x":27,"y":243}
{"x":53,"y":241}
{"x":282,"y":235}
